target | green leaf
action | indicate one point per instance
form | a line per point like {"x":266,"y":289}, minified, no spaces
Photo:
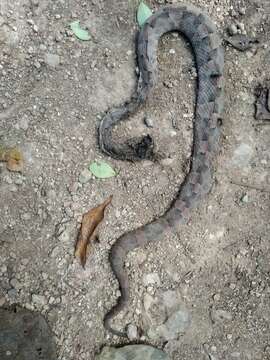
{"x":143,"y":13}
{"x":79,"y":32}
{"x":101,"y":170}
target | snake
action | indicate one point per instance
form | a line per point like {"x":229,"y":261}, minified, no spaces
{"x":200,"y":31}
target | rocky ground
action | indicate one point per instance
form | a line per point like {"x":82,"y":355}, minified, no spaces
{"x":200,"y":294}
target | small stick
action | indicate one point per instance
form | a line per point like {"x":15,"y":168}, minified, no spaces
{"x":250,"y":186}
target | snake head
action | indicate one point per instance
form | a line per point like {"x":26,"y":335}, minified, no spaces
{"x":241,"y":42}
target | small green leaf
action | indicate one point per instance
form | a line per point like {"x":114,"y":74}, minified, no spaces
{"x":79,"y":32}
{"x":101,"y":170}
{"x":143,"y":13}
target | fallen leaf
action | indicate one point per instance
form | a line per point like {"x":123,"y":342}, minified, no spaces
{"x":12,"y":157}
{"x":101,"y":170}
{"x":79,"y":32}
{"x":88,"y":231}
{"x":143,"y":13}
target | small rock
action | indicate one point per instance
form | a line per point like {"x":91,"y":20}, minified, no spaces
{"x":39,"y":299}
{"x":232,"y":286}
{"x":167,"y":162}
{"x":2,"y":301}
{"x":132,"y":352}
{"x":52,"y":60}
{"x":3,"y":269}
{"x":177,"y":324}
{"x":25,"y":261}
{"x":35,"y":28}
{"x":242,"y":11}
{"x":219,"y":315}
{"x":151,"y":278}
{"x":12,"y":293}
{"x":42,"y":47}
{"x":85,"y":176}
{"x":236,"y":355}
{"x":244,"y":198}
{"x":23,"y":123}
{"x":148,"y":122}
{"x":18,"y":180}
{"x":15,"y":284}
{"x":172,"y":51}
{"x":132,"y":332}
{"x":232,"y":29}
{"x":241,"y":26}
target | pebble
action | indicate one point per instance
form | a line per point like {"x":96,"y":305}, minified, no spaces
{"x":3,"y":269}
{"x":132,"y":352}
{"x":42,"y":47}
{"x":2,"y":301}
{"x":85,"y":176}
{"x":244,"y":198}
{"x":12,"y":293}
{"x":242,"y":11}
{"x":37,"y":64}
{"x":148,"y":122}
{"x":166,"y":162}
{"x":52,"y":60}
{"x":241,"y":27}
{"x":39,"y":299}
{"x":152,"y":278}
{"x":132,"y":332}
{"x":236,"y":355}
{"x":23,"y":124}
{"x":18,"y":180}
{"x":232,"y":29}
{"x":15,"y":284}
{"x":25,"y":261}
{"x":176,"y":325}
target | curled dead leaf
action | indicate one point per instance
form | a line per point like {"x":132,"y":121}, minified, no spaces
{"x":88,"y":231}
{"x":12,"y":157}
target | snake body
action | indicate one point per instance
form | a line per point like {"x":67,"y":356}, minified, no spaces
{"x":206,"y":44}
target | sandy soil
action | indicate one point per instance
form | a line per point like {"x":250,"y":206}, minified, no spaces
{"x":54,"y":89}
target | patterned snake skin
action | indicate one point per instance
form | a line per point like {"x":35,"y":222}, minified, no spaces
{"x":201,"y":33}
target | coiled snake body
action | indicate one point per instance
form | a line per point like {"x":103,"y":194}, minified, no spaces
{"x":206,"y":44}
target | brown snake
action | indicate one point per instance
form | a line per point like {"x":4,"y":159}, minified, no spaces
{"x":206,"y":44}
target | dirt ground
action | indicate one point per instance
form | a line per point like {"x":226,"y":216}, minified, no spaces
{"x":54,"y":89}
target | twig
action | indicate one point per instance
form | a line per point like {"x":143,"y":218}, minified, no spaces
{"x":255,"y":187}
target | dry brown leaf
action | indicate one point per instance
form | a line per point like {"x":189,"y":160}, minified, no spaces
{"x":88,"y":231}
{"x":13,"y":158}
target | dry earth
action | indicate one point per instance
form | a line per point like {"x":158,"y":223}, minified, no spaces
{"x":54,"y":89}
